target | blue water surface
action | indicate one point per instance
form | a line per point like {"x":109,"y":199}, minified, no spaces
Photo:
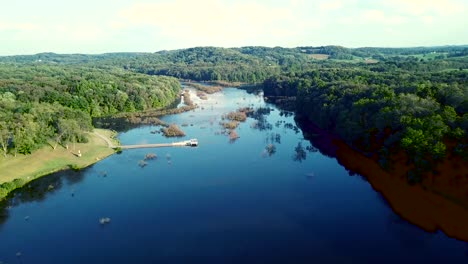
{"x":222,"y":202}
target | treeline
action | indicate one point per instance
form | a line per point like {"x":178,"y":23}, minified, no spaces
{"x":98,"y":92}
{"x":206,"y":64}
{"x":342,"y":53}
{"x":50,"y":104}
{"x":423,"y":113}
{"x":250,"y":55}
{"x":249,"y":64}
{"x":256,"y":64}
{"x":413,"y":98}
{"x":26,"y":126}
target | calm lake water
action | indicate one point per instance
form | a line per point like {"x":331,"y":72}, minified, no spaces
{"x":222,"y":202}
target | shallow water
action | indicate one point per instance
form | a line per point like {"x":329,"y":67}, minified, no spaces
{"x":220,"y":202}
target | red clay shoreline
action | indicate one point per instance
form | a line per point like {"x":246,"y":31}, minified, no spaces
{"x":429,"y":205}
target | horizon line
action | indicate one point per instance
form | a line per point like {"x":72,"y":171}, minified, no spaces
{"x":209,"y":46}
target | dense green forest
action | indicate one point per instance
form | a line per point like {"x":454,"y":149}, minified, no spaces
{"x":379,"y":100}
{"x":54,"y":104}
{"x":382,"y":112}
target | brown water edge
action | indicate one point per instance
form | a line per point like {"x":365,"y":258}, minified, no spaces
{"x":438,"y":203}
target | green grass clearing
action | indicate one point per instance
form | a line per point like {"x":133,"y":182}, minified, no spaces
{"x":47,"y":160}
{"x":319,"y":56}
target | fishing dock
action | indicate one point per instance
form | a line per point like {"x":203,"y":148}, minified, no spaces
{"x":186,"y":143}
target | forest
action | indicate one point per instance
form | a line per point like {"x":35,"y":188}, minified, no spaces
{"x":378,"y":100}
{"x":52,"y":104}
{"x":425,"y":114}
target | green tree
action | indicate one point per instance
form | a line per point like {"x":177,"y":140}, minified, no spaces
{"x":4,"y":136}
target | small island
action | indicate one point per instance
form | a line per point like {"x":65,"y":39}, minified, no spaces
{"x":172,"y":131}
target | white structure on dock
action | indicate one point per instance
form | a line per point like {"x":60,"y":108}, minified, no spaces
{"x":189,"y":143}
{"x":192,"y":142}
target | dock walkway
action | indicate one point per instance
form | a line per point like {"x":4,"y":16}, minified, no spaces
{"x":160,"y":145}
{"x":189,"y":143}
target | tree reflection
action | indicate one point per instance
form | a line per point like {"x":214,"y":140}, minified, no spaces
{"x":286,"y":113}
{"x":311,"y":149}
{"x":413,"y":203}
{"x":4,"y":214}
{"x":318,"y":142}
{"x":270,"y":149}
{"x":38,"y":190}
{"x":261,"y":123}
{"x":292,"y":127}
{"x":300,"y":153}
{"x":407,"y":234}
{"x":273,"y":138}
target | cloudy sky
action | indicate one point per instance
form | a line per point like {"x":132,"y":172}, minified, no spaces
{"x":98,"y":26}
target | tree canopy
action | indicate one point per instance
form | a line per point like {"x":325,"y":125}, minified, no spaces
{"x":377,"y":99}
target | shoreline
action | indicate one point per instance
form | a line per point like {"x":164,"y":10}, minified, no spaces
{"x":99,"y":147}
{"x":435,"y":211}
{"x":46,"y":161}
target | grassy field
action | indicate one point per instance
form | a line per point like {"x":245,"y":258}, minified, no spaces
{"x":370,"y":61}
{"x":319,"y":56}
{"x":47,"y":160}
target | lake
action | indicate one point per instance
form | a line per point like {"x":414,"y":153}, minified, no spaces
{"x":221,"y":202}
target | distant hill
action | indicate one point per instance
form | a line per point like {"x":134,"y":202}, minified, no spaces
{"x":249,"y":55}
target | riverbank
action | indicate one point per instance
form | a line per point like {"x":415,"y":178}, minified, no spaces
{"x":126,"y":121}
{"x":18,"y":171}
{"x":431,"y":206}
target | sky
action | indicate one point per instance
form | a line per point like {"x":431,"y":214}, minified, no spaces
{"x":100,"y":26}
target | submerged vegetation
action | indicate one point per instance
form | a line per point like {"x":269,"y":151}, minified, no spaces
{"x":230,"y":124}
{"x":380,"y":109}
{"x":233,"y":136}
{"x":173,"y":131}
{"x":202,"y":95}
{"x":381,"y":101}
{"x":233,"y":120}
{"x":151,"y":156}
{"x":209,"y":89}
{"x":239,"y":116}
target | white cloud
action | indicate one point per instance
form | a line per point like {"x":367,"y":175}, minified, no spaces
{"x":427,"y":19}
{"x":426,"y":7}
{"x":330,"y":5}
{"x":210,"y":21}
{"x":378,"y":16}
{"x":80,"y":32}
{"x":18,"y":26}
{"x":150,"y":25}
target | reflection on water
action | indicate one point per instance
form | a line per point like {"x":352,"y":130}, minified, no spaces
{"x":38,"y":190}
{"x":422,"y":207}
{"x":259,"y":115}
{"x":268,"y":197}
{"x":300,"y":153}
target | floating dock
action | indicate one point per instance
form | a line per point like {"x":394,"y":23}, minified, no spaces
{"x":187,"y":143}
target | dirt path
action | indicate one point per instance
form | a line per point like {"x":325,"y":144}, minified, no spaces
{"x":107,"y":140}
